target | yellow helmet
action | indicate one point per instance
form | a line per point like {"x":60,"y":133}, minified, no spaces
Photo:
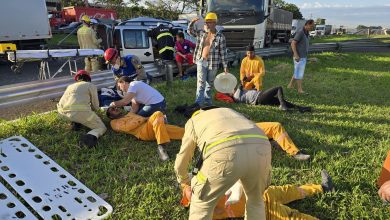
{"x":86,"y":19}
{"x":211,"y":16}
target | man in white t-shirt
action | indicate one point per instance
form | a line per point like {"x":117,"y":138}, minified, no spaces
{"x":145,"y":100}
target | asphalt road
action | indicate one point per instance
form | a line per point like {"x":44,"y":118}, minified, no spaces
{"x":29,"y":71}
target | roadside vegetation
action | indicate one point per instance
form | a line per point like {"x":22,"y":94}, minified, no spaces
{"x":71,"y":40}
{"x":345,"y":37}
{"x":348,"y":133}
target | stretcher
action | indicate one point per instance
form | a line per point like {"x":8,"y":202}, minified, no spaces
{"x":70,"y":56}
{"x":43,"y":185}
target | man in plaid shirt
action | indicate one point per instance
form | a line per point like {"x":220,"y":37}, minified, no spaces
{"x":209,"y":52}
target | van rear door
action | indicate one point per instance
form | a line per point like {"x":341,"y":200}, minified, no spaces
{"x":137,"y":42}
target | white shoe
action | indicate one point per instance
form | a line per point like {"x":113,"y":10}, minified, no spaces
{"x":162,"y":153}
{"x":301,"y":156}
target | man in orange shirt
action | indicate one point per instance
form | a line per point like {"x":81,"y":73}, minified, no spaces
{"x":252,"y":70}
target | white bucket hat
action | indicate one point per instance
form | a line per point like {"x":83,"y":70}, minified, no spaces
{"x":225,"y":82}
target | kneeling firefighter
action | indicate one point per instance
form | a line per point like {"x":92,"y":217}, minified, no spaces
{"x":78,"y":104}
{"x":231,"y":148}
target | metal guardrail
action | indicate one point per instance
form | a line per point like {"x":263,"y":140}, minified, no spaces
{"x":22,"y":93}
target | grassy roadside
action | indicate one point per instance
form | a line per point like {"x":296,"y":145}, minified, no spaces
{"x":345,"y":37}
{"x":348,"y":134}
{"x":70,"y":41}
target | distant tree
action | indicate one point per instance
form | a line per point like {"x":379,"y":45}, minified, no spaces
{"x":66,"y":3}
{"x":288,"y":7}
{"x":320,"y":21}
{"x":294,"y":9}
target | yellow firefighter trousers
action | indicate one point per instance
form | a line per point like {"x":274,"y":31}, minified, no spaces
{"x":251,"y":163}
{"x":91,"y":64}
{"x":275,"y":198}
{"x":253,"y":84}
{"x":156,"y":129}
{"x":274,"y":130}
{"x":87,"y":118}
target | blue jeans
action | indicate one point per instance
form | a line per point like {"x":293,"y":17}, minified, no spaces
{"x":299,"y":68}
{"x":148,"y":110}
{"x":204,"y":84}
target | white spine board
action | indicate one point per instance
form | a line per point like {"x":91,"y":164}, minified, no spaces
{"x":49,"y":189}
{"x":10,"y":207}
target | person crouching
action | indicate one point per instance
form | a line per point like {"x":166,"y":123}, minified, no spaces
{"x":78,"y":104}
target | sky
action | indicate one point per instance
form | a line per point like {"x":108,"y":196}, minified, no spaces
{"x":349,"y":13}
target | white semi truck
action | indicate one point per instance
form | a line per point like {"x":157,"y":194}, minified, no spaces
{"x":24,"y":23}
{"x":321,"y":30}
{"x":245,"y":22}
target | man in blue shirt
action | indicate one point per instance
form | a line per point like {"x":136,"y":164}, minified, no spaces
{"x":129,"y":65}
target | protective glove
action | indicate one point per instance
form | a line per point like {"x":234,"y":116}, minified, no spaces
{"x":235,"y":193}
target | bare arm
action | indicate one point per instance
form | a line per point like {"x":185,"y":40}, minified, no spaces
{"x":125,"y":100}
{"x":190,"y":29}
{"x":294,"y":49}
{"x":134,"y":106}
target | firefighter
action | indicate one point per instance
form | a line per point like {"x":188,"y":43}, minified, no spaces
{"x":146,"y":129}
{"x":275,"y":197}
{"x":165,"y":41}
{"x":87,"y":39}
{"x":129,"y":65}
{"x":78,"y":104}
{"x":232,"y":148}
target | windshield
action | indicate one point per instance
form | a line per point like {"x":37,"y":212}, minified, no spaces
{"x":224,"y":6}
{"x":320,"y":28}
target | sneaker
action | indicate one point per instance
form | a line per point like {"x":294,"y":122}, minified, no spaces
{"x":162,"y":153}
{"x":88,"y":140}
{"x":74,"y":126}
{"x":283,"y":108}
{"x":304,"y":109}
{"x":301,"y":156}
{"x":326,"y":182}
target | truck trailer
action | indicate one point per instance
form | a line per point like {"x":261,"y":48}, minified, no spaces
{"x":24,"y":23}
{"x":278,"y":25}
{"x":297,"y":24}
{"x":73,"y":14}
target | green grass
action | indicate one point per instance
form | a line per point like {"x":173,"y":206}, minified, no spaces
{"x":71,"y":40}
{"x":348,"y":134}
{"x":345,"y":37}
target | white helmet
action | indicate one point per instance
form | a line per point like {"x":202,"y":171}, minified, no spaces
{"x":159,"y":23}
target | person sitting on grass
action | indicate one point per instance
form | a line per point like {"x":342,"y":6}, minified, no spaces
{"x":145,"y":100}
{"x":146,"y":129}
{"x":252,"y":70}
{"x":183,"y":52}
{"x":232,"y":205}
{"x":274,"y":131}
{"x":78,"y":104}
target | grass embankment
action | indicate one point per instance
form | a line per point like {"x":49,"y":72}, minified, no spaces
{"x":71,"y":40}
{"x":345,"y":37}
{"x":348,"y":134}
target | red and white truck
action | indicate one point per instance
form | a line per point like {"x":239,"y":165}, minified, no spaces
{"x":74,"y":14}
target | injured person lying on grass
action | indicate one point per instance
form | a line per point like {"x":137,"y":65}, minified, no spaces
{"x":271,"y":96}
{"x":232,"y":205}
{"x":146,"y":129}
{"x":274,"y":131}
